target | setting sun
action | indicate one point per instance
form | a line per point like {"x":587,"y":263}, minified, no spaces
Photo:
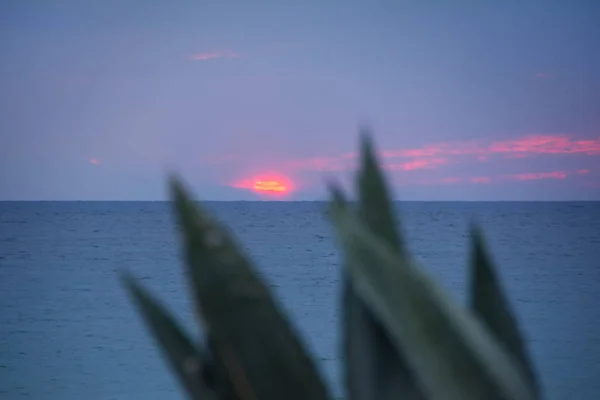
{"x":270,"y":186}
{"x":267,"y":184}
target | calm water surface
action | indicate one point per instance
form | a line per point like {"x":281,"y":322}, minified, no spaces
{"x":67,"y":331}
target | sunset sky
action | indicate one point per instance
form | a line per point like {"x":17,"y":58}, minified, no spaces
{"x":486,"y":100}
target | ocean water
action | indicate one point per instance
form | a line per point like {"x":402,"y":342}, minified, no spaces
{"x":67,"y":330}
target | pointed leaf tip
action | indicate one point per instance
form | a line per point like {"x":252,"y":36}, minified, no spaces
{"x":367,"y":149}
{"x":184,"y":207}
{"x":260,"y":349}
{"x":177,"y":188}
{"x":365,"y":134}
{"x":450,"y":353}
{"x":184,"y":358}
{"x":367,"y":342}
{"x":376,"y":207}
{"x":338,"y":197}
{"x":491,"y":305}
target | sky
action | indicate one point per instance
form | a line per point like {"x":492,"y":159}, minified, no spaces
{"x":263,"y":100}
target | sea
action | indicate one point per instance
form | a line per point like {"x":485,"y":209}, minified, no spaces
{"x":68,"y":331}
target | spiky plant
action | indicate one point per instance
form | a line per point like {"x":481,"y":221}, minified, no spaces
{"x":403,"y":336}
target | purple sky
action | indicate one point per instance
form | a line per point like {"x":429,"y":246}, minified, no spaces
{"x":495,"y":100}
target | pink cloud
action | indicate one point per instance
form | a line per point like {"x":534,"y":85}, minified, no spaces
{"x":94,"y":161}
{"x":547,"y":144}
{"x":521,"y":147}
{"x":514,"y":148}
{"x":481,"y":179}
{"x":526,"y":176}
{"x":213,"y":55}
{"x":438,"y":154}
{"x":424,"y":163}
{"x":537,"y":175}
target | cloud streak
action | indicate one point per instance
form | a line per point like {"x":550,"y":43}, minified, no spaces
{"x":520,"y":177}
{"x":478,"y":162}
{"x":439,"y":154}
{"x":423,"y":163}
{"x":480,"y":179}
{"x":214,"y":55}
{"x":532,"y":176}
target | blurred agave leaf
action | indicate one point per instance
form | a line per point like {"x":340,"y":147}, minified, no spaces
{"x":253,"y":339}
{"x":375,"y":206}
{"x":184,"y":358}
{"x":452,"y":355}
{"x":221,"y":380}
{"x":490,"y":304}
{"x":374,"y":368}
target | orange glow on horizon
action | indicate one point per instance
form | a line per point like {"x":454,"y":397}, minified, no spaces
{"x":270,"y":186}
{"x":267,"y":184}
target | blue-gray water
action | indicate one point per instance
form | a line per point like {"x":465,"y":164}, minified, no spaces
{"x":67,"y":331}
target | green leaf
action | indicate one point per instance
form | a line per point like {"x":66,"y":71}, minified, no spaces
{"x":489,"y":303}
{"x":337,"y":194}
{"x":375,"y":369}
{"x":452,"y":355}
{"x":184,"y":358}
{"x":262,"y":353}
{"x":375,"y":208}
{"x":222,"y":384}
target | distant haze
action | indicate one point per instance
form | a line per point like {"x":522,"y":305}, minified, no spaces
{"x":263,"y":99}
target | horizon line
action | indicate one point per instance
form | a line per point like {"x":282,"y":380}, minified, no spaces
{"x":305,"y":201}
